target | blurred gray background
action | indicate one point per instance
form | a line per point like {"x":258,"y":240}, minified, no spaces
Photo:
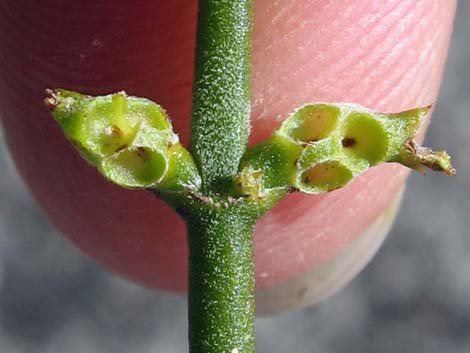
{"x":413,"y":297}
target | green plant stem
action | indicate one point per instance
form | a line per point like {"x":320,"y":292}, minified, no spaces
{"x":220,"y":124}
{"x":221,"y":281}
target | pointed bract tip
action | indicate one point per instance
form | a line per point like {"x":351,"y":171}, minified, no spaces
{"x":421,"y":157}
{"x":428,"y":107}
{"x":52,"y":99}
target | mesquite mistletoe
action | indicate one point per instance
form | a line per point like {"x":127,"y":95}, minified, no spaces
{"x":220,"y":187}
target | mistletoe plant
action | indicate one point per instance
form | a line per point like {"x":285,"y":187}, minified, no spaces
{"x":218,"y":186}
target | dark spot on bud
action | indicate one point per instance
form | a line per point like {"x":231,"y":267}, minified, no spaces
{"x":142,"y":154}
{"x":116,"y":131}
{"x":348,"y":142}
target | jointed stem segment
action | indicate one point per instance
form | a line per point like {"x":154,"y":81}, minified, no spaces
{"x":221,"y":280}
{"x":220,"y":123}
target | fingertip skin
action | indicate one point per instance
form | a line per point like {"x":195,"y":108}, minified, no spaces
{"x":387,"y":56}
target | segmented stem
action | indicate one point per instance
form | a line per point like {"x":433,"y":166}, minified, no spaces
{"x":220,"y":123}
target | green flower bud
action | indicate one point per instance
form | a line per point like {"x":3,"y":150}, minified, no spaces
{"x":264,"y":167}
{"x":322,"y":147}
{"x":130,"y":140}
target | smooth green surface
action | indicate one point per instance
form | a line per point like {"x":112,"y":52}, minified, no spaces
{"x":220,"y":123}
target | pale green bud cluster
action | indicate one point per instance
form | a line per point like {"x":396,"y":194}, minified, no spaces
{"x":130,"y":140}
{"x":319,"y":147}
{"x":322,"y":147}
